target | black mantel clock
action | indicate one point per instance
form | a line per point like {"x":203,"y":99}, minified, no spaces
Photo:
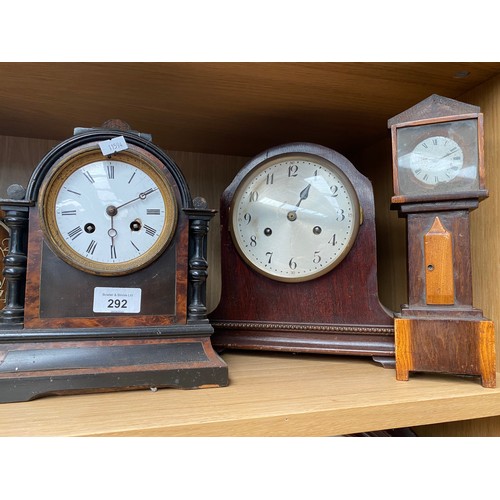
{"x":106,"y":273}
{"x":299,"y":262}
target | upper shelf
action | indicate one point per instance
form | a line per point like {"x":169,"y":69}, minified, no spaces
{"x":228,"y":108}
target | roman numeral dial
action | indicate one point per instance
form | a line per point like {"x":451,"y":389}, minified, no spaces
{"x":436,"y":160}
{"x":108,"y":215}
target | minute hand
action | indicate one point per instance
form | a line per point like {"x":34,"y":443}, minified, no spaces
{"x":447,"y":154}
{"x":141,"y":196}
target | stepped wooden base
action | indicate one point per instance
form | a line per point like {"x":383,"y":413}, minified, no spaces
{"x":351,"y":340}
{"x":40,"y":366}
{"x":451,"y":346}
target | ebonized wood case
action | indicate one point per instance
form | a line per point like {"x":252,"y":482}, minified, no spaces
{"x":54,"y":339}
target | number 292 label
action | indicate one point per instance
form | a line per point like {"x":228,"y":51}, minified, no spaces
{"x":117,"y":300}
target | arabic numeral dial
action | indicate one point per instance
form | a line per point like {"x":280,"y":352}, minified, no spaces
{"x":294,"y":218}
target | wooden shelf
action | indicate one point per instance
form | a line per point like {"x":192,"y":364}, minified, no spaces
{"x":230,"y":108}
{"x":270,"y":394}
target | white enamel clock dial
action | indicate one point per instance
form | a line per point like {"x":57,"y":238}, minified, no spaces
{"x":108,"y":216}
{"x":436,"y":159}
{"x":295,"y":217}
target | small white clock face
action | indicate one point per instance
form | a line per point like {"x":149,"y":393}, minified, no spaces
{"x":295,"y":217}
{"x":108,"y":216}
{"x":436,"y":160}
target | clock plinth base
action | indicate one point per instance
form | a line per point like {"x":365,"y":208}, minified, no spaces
{"x":41,"y":363}
{"x":451,"y":346}
{"x":353,"y":340}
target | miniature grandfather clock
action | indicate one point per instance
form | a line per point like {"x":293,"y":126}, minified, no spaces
{"x":105,"y":273}
{"x":438,"y":168}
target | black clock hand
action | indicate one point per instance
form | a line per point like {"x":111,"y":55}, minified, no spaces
{"x":292,"y":215}
{"x":112,"y":233}
{"x":303,"y":195}
{"x":142,"y":196}
{"x":450,"y":153}
{"x":111,"y":210}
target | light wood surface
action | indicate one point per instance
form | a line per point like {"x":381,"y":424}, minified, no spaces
{"x":226,"y":108}
{"x":485,"y":226}
{"x":270,"y":394}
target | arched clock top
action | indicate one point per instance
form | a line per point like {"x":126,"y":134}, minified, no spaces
{"x":303,"y":148}
{"x":97,"y":135}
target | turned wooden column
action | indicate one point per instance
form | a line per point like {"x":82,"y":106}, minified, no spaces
{"x":15,"y":217}
{"x":199,"y":218}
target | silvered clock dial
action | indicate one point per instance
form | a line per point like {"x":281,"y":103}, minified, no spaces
{"x":295,"y":217}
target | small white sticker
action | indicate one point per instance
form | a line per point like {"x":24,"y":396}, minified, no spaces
{"x":117,"y":300}
{"x":113,"y":145}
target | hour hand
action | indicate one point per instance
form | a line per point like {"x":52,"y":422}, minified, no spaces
{"x":292,"y":215}
{"x":303,"y":195}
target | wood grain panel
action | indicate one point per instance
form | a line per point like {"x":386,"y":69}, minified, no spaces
{"x":404,"y":360}
{"x":207,"y":176}
{"x":374,"y":161}
{"x":481,"y":427}
{"x":18,"y":158}
{"x":225,"y":108}
{"x":449,"y":346}
{"x":418,"y":225}
{"x":485,"y":227}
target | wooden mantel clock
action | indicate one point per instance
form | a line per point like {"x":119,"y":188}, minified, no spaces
{"x":105,"y":273}
{"x":299,"y":268}
{"x":438,"y":171}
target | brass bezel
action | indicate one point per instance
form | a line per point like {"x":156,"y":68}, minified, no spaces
{"x":72,"y":161}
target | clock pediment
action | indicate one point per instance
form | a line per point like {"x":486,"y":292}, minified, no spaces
{"x":435,"y":106}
